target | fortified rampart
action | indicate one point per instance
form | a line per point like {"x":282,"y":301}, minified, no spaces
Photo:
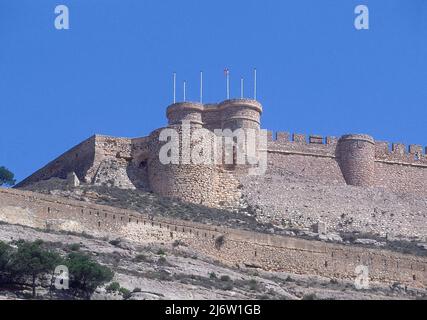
{"x":270,"y":252}
{"x":357,"y":160}
{"x":354,"y":159}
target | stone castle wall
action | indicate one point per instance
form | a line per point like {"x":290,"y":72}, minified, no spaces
{"x":78,"y":159}
{"x":134,"y":163}
{"x":352,"y":159}
{"x":270,"y":252}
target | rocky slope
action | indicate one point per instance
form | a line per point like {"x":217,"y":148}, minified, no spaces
{"x":284,"y":198}
{"x":294,"y":211}
{"x":176,"y":272}
{"x":278,"y":202}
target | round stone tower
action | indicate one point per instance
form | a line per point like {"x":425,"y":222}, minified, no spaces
{"x":185,"y":111}
{"x":356,"y":157}
{"x":243,"y":115}
{"x":240,"y":113}
{"x":185,"y":179}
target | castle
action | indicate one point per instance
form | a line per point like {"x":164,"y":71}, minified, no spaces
{"x":353,"y":159}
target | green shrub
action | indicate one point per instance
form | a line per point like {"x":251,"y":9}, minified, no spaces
{"x":162,"y":261}
{"x":114,"y":242}
{"x":32,"y":261}
{"x":136,"y":290}
{"x":74,"y":247}
{"x":7,"y":178}
{"x":253,"y":285}
{"x":126,"y":294}
{"x":113,"y":287}
{"x":141,"y":258}
{"x":228,"y":286}
{"x":225,"y":278}
{"x":161,"y":252}
{"x":162,"y":275}
{"x":85,"y":274}
{"x":310,"y":296}
{"x":5,"y":256}
{"x":6,"y":252}
{"x":212,"y":275}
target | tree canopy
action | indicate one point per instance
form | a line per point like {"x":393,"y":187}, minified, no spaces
{"x":31,"y":259}
{"x":5,"y":260}
{"x":85,"y":274}
{"x":7,"y":178}
{"x":33,"y":263}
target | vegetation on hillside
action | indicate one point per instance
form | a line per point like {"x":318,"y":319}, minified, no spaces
{"x":85,"y":274}
{"x":7,"y":178}
{"x":31,"y":264}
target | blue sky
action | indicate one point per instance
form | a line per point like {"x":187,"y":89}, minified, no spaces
{"x":111,"y":72}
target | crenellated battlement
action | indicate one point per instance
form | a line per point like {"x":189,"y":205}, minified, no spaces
{"x":284,"y":137}
{"x":391,"y":151}
{"x":401,"y":153}
{"x":353,"y":159}
{"x":229,"y":114}
{"x":297,"y":143}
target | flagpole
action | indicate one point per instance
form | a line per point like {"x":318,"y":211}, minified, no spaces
{"x":241,"y":88}
{"x":228,"y":84}
{"x":255,"y":84}
{"x":185,"y":89}
{"x":201,"y":86}
{"x":174,"y":87}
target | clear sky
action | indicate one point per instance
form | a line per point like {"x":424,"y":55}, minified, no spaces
{"x":111,"y":73}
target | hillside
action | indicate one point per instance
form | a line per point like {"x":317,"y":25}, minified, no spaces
{"x":177,"y":272}
{"x":285,"y":205}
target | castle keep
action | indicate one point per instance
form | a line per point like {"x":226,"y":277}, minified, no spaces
{"x":353,"y":159}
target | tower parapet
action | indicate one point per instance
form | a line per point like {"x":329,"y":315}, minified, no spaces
{"x":240,"y":114}
{"x":356,"y":157}
{"x":212,"y":117}
{"x":185,"y":111}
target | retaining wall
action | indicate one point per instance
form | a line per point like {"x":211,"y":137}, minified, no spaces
{"x":270,"y":252}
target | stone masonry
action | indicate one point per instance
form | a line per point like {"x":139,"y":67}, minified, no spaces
{"x":353,"y":159}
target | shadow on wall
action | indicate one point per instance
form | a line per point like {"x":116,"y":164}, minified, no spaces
{"x":138,"y":175}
